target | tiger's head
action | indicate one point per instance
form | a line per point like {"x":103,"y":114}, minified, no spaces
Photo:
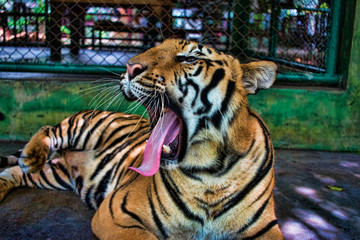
{"x":196,"y":98}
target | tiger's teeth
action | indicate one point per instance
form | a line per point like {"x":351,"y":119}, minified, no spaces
{"x":165,"y":110}
{"x":166,"y":149}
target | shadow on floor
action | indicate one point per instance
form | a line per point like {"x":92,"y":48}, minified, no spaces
{"x":317,"y":197}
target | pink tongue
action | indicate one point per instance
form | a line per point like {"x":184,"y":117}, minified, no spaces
{"x":166,"y":129}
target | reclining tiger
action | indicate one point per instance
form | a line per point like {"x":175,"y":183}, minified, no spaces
{"x":201,"y":167}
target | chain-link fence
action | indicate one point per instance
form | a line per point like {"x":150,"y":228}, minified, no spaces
{"x":293,"y":33}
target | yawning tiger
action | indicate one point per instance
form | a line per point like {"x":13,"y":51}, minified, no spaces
{"x":200,"y":168}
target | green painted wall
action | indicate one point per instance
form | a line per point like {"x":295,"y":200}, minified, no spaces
{"x":25,"y":106}
{"x":317,"y":118}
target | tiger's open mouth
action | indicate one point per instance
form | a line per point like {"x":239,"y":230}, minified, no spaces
{"x":164,"y":144}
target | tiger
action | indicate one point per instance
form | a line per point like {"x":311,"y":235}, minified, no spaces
{"x":199,"y":167}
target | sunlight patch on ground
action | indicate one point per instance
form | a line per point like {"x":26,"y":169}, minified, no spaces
{"x":335,"y":210}
{"x":294,"y":230}
{"x":309,"y":193}
{"x":324,"y":179}
{"x":348,"y":164}
{"x":316,"y":222}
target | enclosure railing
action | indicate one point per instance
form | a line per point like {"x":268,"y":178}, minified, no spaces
{"x":99,"y":36}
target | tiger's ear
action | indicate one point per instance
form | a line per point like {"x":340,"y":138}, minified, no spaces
{"x":258,"y":75}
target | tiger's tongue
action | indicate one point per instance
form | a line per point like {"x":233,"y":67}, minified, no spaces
{"x":165,"y":131}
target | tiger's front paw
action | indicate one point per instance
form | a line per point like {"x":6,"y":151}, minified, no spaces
{"x":34,"y":157}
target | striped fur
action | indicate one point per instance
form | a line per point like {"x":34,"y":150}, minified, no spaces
{"x":92,"y":153}
{"x":219,"y":186}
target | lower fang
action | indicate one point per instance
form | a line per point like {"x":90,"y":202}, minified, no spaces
{"x":166,"y":149}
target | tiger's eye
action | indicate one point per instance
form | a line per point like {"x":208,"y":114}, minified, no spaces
{"x":191,"y":59}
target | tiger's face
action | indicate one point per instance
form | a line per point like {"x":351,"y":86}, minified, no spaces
{"x":192,"y":94}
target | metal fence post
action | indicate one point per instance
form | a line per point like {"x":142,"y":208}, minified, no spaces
{"x":332,"y":51}
{"x":240,"y":21}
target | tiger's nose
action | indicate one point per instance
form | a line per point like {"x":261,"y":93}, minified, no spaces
{"x":135,"y":69}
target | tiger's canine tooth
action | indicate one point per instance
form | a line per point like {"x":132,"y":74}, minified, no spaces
{"x":166,"y":149}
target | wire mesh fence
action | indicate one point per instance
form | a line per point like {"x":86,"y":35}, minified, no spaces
{"x":293,"y":33}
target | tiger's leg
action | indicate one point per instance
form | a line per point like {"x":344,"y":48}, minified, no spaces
{"x":72,"y":133}
{"x":10,"y":160}
{"x":55,"y":175}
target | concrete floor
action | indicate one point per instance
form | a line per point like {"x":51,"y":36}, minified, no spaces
{"x":306,"y":206}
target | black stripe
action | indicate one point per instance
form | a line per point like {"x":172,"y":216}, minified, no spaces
{"x":25,"y":181}
{"x":218,"y":75}
{"x":64,"y":170}
{"x":132,"y":179}
{"x":127,"y":170}
{"x":196,"y":88}
{"x":59,"y":179}
{"x":17,"y":154}
{"x":146,"y":85}
{"x":116,"y":141}
{"x":3,"y":162}
{"x":219,"y":62}
{"x":218,"y":166}
{"x":74,"y":132}
{"x":43,"y":176}
{"x":88,"y":199}
{"x":129,"y":181}
{"x":192,"y":49}
{"x":127,"y":227}
{"x":177,"y":200}
{"x":32,"y":180}
{"x":263,"y":193}
{"x":234,"y":159}
{"x":255,"y":217}
{"x":200,"y":125}
{"x":42,"y":185}
{"x":126,"y":154}
{"x":79,"y":182}
{"x":107,"y":159}
{"x":163,"y":209}
{"x":69,"y":134}
{"x":126,"y":211}
{"x":116,"y":131}
{"x":208,"y":63}
{"x":173,"y":184}
{"x":85,"y":125}
{"x":102,"y":163}
{"x":58,"y":144}
{"x":200,"y":54}
{"x":198,"y":71}
{"x":93,"y":129}
{"x":99,"y":195}
{"x":217,"y":117}
{"x":155,"y":216}
{"x":189,"y":174}
{"x":262,"y":231}
{"x":113,"y":132}
{"x":183,"y":87}
{"x":110,"y":203}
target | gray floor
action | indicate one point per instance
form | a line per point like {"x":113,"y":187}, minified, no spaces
{"x":307,"y":207}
